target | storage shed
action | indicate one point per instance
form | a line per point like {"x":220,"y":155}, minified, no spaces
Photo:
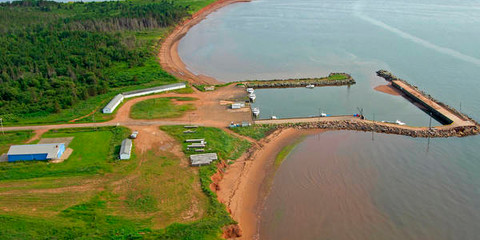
{"x":113,"y":104}
{"x":32,"y":152}
{"x":126,"y":149}
{"x":203,"y":159}
{"x":147,"y":91}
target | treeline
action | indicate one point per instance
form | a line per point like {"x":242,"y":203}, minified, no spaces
{"x":57,"y":56}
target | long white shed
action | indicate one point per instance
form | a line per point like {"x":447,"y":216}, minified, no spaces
{"x":113,"y":104}
{"x":147,"y":91}
{"x":126,"y":149}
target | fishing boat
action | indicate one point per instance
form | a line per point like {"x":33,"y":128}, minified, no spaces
{"x":250,"y":90}
{"x":323,"y":114}
{"x":274,"y":117}
{"x":310,"y":86}
{"x":252,"y":97}
{"x":256,"y":112}
{"x":400,"y":123}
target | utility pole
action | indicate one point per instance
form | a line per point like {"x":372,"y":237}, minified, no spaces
{"x":1,"y":123}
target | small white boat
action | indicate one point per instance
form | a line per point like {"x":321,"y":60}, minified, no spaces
{"x":252,"y":97}
{"x":323,"y":115}
{"x":274,"y":117}
{"x":310,"y":86}
{"x":256,"y":112}
{"x":400,"y":122}
{"x":250,"y":90}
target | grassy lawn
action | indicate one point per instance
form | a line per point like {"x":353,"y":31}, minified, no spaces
{"x":93,"y":152}
{"x":167,"y":191}
{"x":160,"y":108}
{"x":256,"y":132}
{"x":226,"y":145}
{"x":337,"y":76}
{"x":12,"y":138}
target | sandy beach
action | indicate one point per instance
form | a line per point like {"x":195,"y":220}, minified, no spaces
{"x":168,"y":55}
{"x":242,"y":188}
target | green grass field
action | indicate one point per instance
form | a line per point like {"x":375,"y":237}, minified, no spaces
{"x":227,"y":146}
{"x":154,"y":195}
{"x":256,"y":132}
{"x":93,"y":152}
{"x":161,"y":108}
{"x":12,"y":138}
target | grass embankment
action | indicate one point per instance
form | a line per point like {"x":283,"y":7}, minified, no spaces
{"x":216,"y":217}
{"x":13,"y":138}
{"x":161,"y":108}
{"x":256,"y":132}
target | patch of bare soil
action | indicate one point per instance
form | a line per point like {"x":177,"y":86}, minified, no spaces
{"x":38,"y":134}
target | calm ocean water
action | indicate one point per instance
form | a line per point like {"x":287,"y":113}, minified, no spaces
{"x":343,"y":185}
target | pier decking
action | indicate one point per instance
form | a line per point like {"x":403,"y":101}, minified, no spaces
{"x":455,"y":123}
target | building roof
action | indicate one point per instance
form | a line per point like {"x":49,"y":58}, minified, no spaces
{"x":50,"y":149}
{"x":195,"y":140}
{"x":201,"y":159}
{"x":160,"y":88}
{"x":126,"y":147}
{"x":115,"y":100}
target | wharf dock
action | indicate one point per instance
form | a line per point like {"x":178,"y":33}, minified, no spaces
{"x":456,"y":124}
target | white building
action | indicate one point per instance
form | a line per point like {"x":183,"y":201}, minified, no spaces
{"x":110,"y":108}
{"x":113,"y":104}
{"x":126,"y":149}
{"x":203,"y":159}
{"x":148,"y":91}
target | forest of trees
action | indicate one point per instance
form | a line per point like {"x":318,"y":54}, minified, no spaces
{"x":53,"y":55}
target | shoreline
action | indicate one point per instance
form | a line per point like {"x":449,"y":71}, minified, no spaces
{"x":244,"y":185}
{"x":168,"y":55}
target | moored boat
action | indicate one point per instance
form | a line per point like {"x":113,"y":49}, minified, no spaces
{"x":256,"y":112}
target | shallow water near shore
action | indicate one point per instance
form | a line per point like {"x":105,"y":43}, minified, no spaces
{"x":343,"y":185}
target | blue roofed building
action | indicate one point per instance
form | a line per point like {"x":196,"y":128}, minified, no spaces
{"x":35,"y":152}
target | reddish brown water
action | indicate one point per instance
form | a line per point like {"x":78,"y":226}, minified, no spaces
{"x":343,"y":185}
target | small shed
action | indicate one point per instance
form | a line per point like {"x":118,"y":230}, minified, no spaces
{"x":126,"y":149}
{"x":196,"y":145}
{"x":195,"y":140}
{"x":203,"y":159}
{"x":110,"y":108}
{"x":209,"y":88}
{"x":32,"y":152}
